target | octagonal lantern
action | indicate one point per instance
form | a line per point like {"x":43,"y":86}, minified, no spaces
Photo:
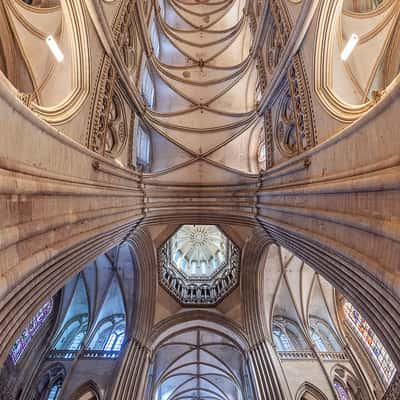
{"x":199,"y":265}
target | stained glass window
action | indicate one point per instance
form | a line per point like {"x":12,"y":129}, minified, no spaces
{"x":73,"y":333}
{"x":281,"y":340}
{"x":371,"y":342}
{"x":155,"y":41}
{"x":341,"y":391}
{"x":323,"y":336}
{"x":29,"y":332}
{"x":115,"y":341}
{"x":319,"y":342}
{"x":143,"y":146}
{"x":76,"y":341}
{"x":54,"y":391}
{"x":148,"y":88}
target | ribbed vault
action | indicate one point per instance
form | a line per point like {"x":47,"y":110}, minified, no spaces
{"x":238,"y":137}
{"x":205,"y":77}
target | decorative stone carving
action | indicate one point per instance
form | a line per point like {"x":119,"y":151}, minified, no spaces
{"x":108,"y":132}
{"x":281,"y":20}
{"x":116,"y":132}
{"x":130,"y":47}
{"x":261,"y":74}
{"x":286,"y":135}
{"x":269,"y":140}
{"x":126,"y":37}
{"x":275,"y":46}
{"x":100,"y":112}
{"x":199,"y":265}
{"x":294,"y":131}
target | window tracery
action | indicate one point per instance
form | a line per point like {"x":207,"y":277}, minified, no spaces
{"x":148,"y":89}
{"x":281,"y":340}
{"x":49,"y":384}
{"x":115,"y":340}
{"x":294,"y":127}
{"x":154,"y":38}
{"x":370,"y":341}
{"x":341,"y":391}
{"x":30,"y":331}
{"x":130,"y":50}
{"x":117,"y":128}
{"x":110,"y":334}
{"x":323,"y":336}
{"x":54,"y":390}
{"x":73,"y":333}
{"x":287,"y":335}
{"x":143,"y":146}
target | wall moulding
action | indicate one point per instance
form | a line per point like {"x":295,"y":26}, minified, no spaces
{"x":329,"y":32}
{"x":73,"y":27}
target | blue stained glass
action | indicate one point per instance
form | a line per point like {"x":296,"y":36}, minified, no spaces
{"x":371,"y":342}
{"x":114,"y":342}
{"x":54,"y":391}
{"x":341,"y":391}
{"x":29,"y":332}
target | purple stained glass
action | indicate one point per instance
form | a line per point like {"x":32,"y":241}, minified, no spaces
{"x":371,"y":341}
{"x":341,"y":391}
{"x":29,"y":332}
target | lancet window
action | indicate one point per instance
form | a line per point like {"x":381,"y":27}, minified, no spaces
{"x":287,"y":335}
{"x":154,"y":38}
{"x":323,"y":336}
{"x":110,"y":334}
{"x":148,"y":89}
{"x":54,"y":390}
{"x":370,"y":341}
{"x":143,"y":146}
{"x":30,"y":331}
{"x":73,"y":333}
{"x":341,"y":391}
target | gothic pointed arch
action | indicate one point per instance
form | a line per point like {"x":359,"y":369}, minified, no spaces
{"x":74,"y":326}
{"x":88,"y":391}
{"x":308,"y":391}
{"x":199,"y":354}
{"x":322,"y":319}
{"x":49,"y":382}
{"x":287,"y":326}
{"x":109,"y":328}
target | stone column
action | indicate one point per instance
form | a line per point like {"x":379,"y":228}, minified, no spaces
{"x":266,"y":381}
{"x":131,"y":380}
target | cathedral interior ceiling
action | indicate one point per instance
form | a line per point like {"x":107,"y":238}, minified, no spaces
{"x":256,"y":131}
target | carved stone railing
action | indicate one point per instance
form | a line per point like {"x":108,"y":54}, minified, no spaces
{"x":310,"y":355}
{"x":199,"y":291}
{"x":333,"y":356}
{"x":297,"y":355}
{"x":71,"y":354}
{"x":100,"y":354}
{"x":62,"y":354}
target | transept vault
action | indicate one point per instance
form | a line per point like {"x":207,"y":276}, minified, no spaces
{"x":199,"y":199}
